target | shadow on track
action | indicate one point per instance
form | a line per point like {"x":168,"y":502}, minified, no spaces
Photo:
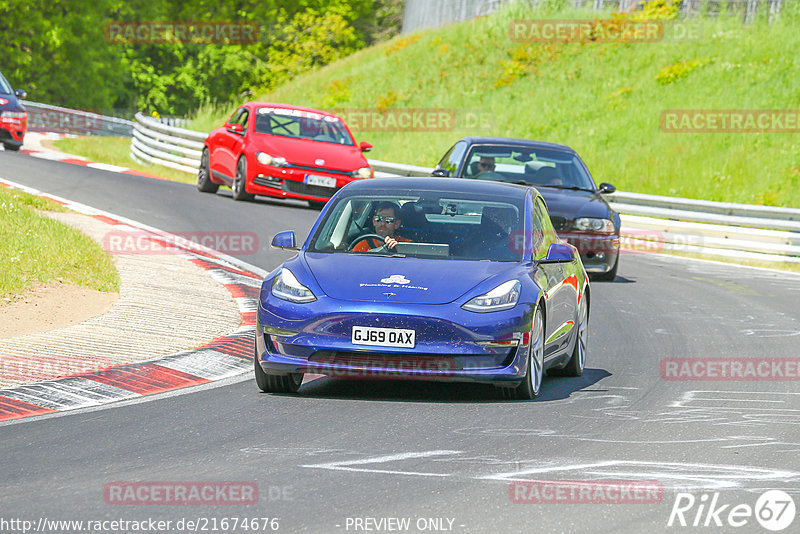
{"x":553,"y":388}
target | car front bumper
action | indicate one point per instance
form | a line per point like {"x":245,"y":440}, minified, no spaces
{"x":599,"y":253}
{"x":465,"y":347}
{"x":291,"y":183}
{"x":12,"y":131}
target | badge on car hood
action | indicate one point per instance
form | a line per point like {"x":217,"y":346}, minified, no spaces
{"x":319,"y":161}
{"x":395,"y":279}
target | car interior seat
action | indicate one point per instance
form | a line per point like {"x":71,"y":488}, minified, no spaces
{"x":530,"y":174}
{"x":549,"y":176}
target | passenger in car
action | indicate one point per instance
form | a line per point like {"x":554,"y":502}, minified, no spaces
{"x":492,"y":240}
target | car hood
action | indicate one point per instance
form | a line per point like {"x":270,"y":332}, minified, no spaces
{"x":571,"y":204}
{"x":11,"y":103}
{"x":408,"y":280}
{"x":306,"y":152}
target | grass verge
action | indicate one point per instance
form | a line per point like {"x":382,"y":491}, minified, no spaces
{"x":36,"y":249}
{"x":604,"y":99}
{"x":117,"y":151}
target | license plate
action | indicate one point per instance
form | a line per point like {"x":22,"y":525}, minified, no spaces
{"x":383,"y":337}
{"x":322,"y":181}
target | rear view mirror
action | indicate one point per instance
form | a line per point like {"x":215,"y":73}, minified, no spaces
{"x":364,"y":146}
{"x":606,"y":188}
{"x":558,"y":253}
{"x":22,"y":94}
{"x":441,"y":173}
{"x":285,"y":240}
{"x":234,"y":127}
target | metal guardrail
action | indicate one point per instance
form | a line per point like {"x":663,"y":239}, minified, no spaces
{"x":47,"y":118}
{"x":650,"y":222}
{"x":169,"y":146}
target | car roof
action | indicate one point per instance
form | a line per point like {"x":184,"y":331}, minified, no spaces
{"x":445,"y":185}
{"x":288,"y":106}
{"x":527,"y":143}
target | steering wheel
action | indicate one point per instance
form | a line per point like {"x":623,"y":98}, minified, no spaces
{"x":357,"y":240}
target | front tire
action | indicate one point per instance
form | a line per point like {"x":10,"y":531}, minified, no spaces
{"x":532,"y":383}
{"x":204,"y":183}
{"x":12,"y":148}
{"x":276,"y":383}
{"x":238,"y":187}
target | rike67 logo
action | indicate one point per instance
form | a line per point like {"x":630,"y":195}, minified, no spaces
{"x":774,"y":510}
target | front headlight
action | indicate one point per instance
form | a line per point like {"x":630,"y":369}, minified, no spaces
{"x":286,"y":287}
{"x":363,"y":172}
{"x":503,"y":297}
{"x":587,"y":224}
{"x":265,"y":159}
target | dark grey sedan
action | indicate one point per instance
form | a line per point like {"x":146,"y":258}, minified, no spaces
{"x":577,"y":208}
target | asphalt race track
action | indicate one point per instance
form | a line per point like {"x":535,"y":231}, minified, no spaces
{"x":346,"y":456}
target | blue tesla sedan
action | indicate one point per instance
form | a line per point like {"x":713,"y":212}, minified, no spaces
{"x":429,"y":279}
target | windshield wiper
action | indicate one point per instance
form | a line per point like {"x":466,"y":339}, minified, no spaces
{"x":570,"y":187}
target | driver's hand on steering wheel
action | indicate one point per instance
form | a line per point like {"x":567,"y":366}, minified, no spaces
{"x":390,"y":242}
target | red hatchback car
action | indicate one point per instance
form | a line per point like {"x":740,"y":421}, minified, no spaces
{"x":284,"y":151}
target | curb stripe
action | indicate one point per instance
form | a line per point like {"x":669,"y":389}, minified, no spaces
{"x":66,"y":158}
{"x":146,"y":379}
{"x":221,"y":358}
{"x":17,"y":409}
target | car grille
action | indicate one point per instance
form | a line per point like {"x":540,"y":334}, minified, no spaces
{"x":399,"y":361}
{"x":311,"y":190}
{"x":260,"y":180}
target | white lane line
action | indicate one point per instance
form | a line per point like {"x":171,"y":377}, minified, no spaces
{"x":692,"y":475}
{"x":347,"y":464}
{"x":107,"y":167}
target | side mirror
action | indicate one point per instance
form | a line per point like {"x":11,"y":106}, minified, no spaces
{"x":364,"y":146}
{"x":441,"y":173}
{"x":22,"y":94}
{"x":235,"y":127}
{"x":558,"y":253}
{"x":606,"y":188}
{"x":285,"y":240}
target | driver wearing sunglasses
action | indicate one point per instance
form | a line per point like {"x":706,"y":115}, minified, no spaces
{"x":486,"y":164}
{"x":386,"y":221}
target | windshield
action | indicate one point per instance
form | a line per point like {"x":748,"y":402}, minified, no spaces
{"x":301,"y":124}
{"x":437,"y":225}
{"x":529,"y":166}
{"x":5,"y":87}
